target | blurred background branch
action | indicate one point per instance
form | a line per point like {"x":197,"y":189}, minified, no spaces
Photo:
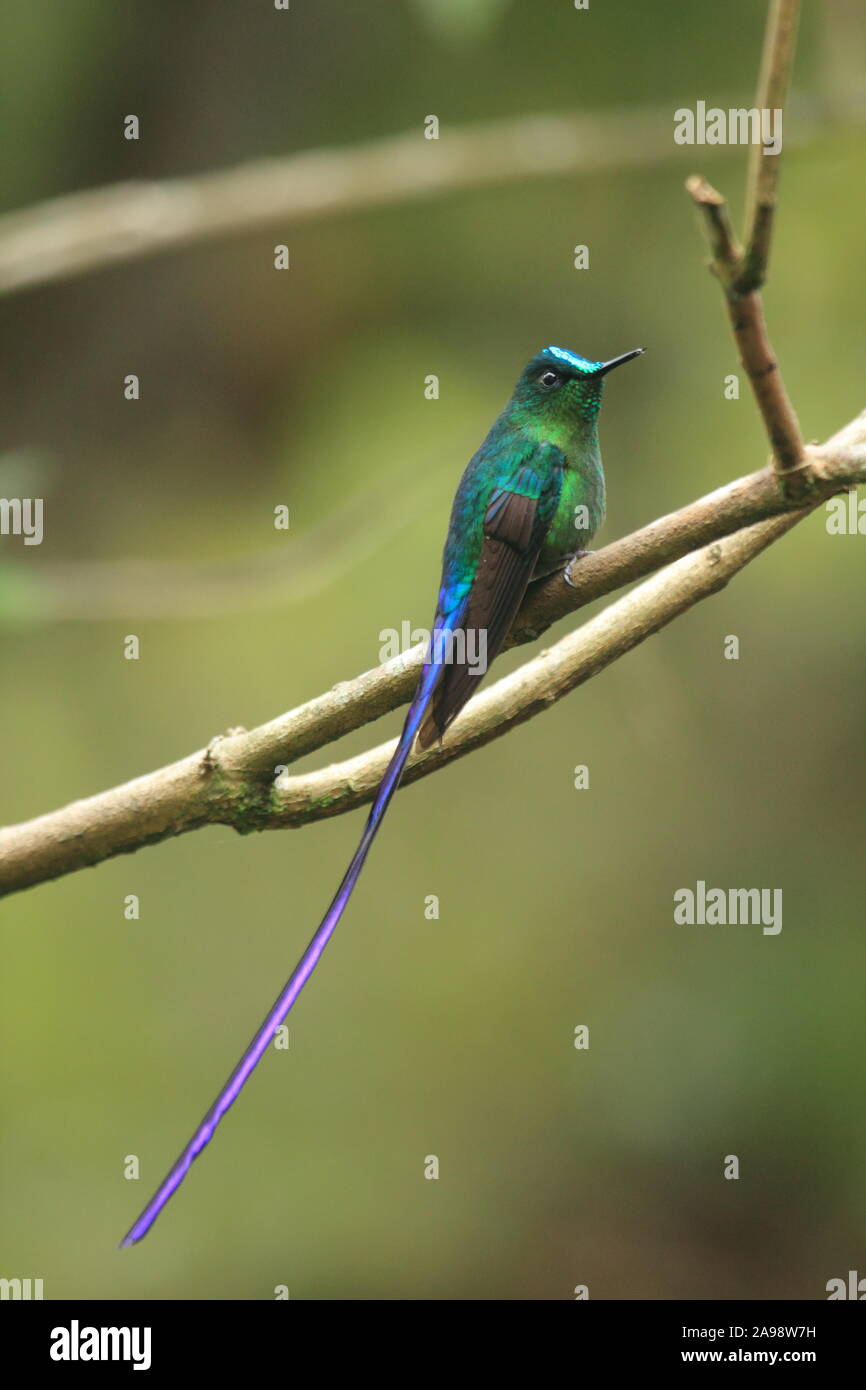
{"x":293,"y":568}
{"x":88,"y":231}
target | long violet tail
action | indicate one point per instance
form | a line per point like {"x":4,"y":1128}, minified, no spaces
{"x":302,"y":972}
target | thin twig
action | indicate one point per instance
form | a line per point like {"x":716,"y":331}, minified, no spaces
{"x":762,"y":177}
{"x":741,"y":273}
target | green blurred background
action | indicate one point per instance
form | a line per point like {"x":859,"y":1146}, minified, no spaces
{"x":449,"y":1037}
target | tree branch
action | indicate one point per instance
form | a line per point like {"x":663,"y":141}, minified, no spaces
{"x":741,"y":273}
{"x":834,"y":466}
{"x":541,"y":682}
{"x":231,"y":782}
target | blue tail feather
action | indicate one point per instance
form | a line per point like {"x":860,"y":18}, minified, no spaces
{"x":302,"y":972}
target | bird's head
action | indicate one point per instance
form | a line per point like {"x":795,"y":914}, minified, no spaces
{"x":558,"y":383}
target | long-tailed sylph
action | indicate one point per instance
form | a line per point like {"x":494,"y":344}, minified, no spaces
{"x":531,"y":496}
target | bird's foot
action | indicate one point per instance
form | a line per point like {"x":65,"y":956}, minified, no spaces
{"x":578,"y":554}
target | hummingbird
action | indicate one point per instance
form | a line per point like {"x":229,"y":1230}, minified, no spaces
{"x":531,"y":497}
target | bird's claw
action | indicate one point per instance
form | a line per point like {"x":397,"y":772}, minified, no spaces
{"x":578,"y":554}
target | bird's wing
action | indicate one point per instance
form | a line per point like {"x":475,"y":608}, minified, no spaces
{"x":516,"y":521}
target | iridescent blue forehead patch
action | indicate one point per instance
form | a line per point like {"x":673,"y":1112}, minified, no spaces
{"x":580,"y":364}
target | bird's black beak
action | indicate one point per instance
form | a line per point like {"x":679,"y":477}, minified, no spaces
{"x":617,"y":361}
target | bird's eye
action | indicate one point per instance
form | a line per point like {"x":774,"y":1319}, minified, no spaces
{"x":549,"y":379}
